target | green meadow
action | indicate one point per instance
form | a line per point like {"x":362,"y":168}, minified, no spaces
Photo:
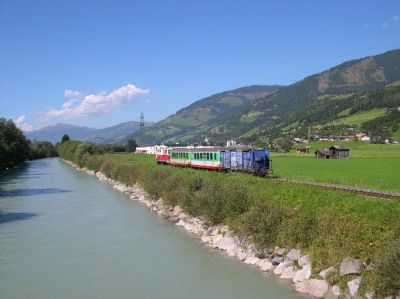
{"x":361,"y":117}
{"x":370,"y":166}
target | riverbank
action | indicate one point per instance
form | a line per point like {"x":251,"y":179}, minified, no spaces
{"x":288,"y":264}
{"x":328,"y":226}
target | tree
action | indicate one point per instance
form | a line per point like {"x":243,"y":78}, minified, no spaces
{"x":131,"y":146}
{"x":14,"y":147}
{"x":42,"y":149}
{"x":65,"y":138}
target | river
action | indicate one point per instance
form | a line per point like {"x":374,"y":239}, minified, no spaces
{"x":64,"y":234}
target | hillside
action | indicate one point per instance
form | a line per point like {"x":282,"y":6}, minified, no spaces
{"x":374,"y":112}
{"x":191,"y":123}
{"x":115,"y":134}
{"x":263,"y":117}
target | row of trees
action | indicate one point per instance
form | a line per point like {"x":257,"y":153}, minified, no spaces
{"x":105,"y":148}
{"x":15,"y":148}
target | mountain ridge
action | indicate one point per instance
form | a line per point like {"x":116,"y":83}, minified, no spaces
{"x":263,"y":116}
{"x":114,"y":134}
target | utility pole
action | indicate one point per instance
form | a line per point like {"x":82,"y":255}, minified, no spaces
{"x":141,"y":126}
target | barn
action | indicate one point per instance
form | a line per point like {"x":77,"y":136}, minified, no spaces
{"x":339,"y":152}
{"x":334,"y":152}
{"x":322,"y":153}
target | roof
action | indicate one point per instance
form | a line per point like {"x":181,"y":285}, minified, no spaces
{"x":323,"y":151}
{"x":215,"y":149}
{"x":339,"y":148}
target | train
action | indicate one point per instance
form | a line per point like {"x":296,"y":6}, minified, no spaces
{"x":243,"y":159}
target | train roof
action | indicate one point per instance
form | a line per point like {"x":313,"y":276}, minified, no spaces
{"x":216,"y":149}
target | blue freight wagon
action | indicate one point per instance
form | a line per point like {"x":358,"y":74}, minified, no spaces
{"x":246,"y":159}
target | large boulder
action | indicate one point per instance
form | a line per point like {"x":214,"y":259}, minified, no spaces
{"x":314,"y":287}
{"x":293,"y":255}
{"x":276,"y":260}
{"x":265,"y":265}
{"x":251,"y":259}
{"x":302,"y":274}
{"x":240,"y":253}
{"x":281,"y":267}
{"x":289,"y":272}
{"x":350,"y":266}
{"x":354,"y":285}
{"x":304,"y":260}
{"x":280,"y":251}
{"x":227,"y":242}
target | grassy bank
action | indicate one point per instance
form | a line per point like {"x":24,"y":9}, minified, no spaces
{"x":326,"y":224}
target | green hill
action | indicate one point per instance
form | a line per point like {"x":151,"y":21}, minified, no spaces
{"x":263,"y":113}
{"x":192,"y":123}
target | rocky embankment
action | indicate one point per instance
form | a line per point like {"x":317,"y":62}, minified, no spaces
{"x":288,"y":264}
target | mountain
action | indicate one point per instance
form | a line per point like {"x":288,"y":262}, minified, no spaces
{"x":263,"y":117}
{"x":190,"y":122}
{"x":54,"y":133}
{"x":115,"y":134}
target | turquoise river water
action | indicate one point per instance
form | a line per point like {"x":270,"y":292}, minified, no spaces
{"x":64,"y":234}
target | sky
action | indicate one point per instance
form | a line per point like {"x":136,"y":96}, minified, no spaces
{"x":99,"y":63}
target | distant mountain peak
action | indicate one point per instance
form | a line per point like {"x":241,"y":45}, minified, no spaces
{"x":114,"y":134}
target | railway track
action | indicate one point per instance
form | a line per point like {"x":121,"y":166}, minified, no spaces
{"x":366,"y":192}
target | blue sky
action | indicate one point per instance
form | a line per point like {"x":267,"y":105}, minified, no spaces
{"x":99,"y":63}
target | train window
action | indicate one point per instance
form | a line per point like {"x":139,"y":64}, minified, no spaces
{"x":215,"y":156}
{"x":208,"y":156}
{"x":201,"y":155}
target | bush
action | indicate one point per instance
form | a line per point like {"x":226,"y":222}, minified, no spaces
{"x":262,"y":222}
{"x":388,"y":271}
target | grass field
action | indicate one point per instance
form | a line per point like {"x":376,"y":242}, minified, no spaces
{"x":381,"y":173}
{"x":371,"y":166}
{"x":357,"y":149}
{"x":361,"y":117}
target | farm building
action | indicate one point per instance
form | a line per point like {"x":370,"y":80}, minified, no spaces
{"x":322,"y":153}
{"x":334,"y":152}
{"x":339,"y":152}
{"x":303,"y":150}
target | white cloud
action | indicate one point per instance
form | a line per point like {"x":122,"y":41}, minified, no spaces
{"x":20,"y":123}
{"x":19,"y":120}
{"x":72,"y":94}
{"x":387,"y":23}
{"x":78,"y":106}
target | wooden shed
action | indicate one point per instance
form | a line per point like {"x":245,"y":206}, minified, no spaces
{"x":322,"y":153}
{"x":339,"y":152}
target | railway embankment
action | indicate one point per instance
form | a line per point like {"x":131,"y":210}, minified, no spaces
{"x":328,"y":243}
